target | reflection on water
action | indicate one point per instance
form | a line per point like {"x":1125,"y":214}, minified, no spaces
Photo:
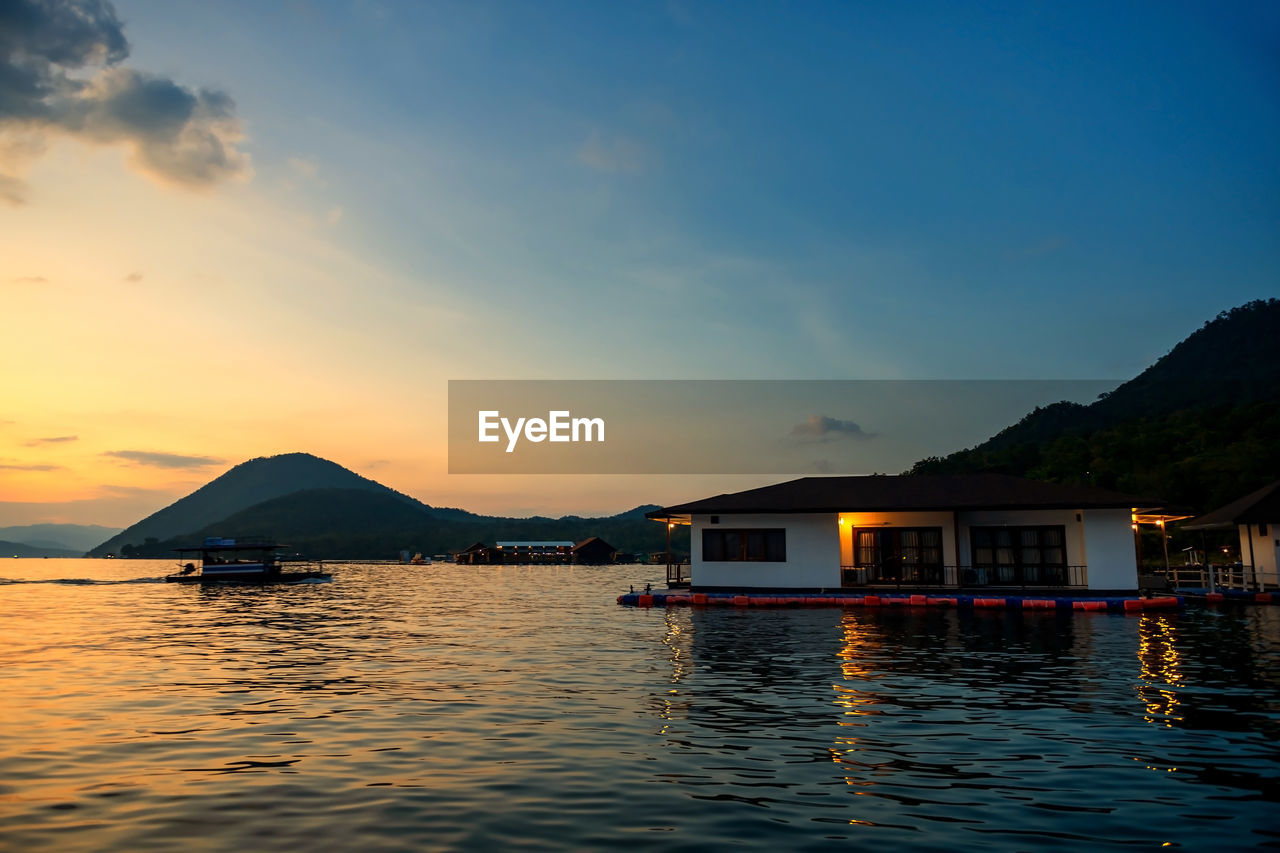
{"x":402,"y":708}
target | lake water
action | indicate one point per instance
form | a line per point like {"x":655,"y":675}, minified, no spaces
{"x":445,"y":707}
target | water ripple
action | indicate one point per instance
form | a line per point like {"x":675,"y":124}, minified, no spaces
{"x":448,"y":707}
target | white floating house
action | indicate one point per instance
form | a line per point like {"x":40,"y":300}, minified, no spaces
{"x":931,"y":532}
{"x":1257,"y":518}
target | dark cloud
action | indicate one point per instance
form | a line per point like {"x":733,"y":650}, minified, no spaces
{"x":21,"y":467}
{"x":57,"y":439}
{"x":162,"y":460}
{"x":61,"y":72}
{"x":823,"y":428}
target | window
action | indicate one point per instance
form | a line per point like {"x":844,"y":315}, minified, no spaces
{"x":1021,"y":555}
{"x":739,"y":546}
{"x":906,"y":554}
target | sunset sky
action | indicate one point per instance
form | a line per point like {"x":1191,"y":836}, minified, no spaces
{"x":236,"y":229}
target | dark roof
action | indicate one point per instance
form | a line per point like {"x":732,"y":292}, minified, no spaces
{"x":592,"y":540}
{"x":908,"y":492}
{"x":1260,"y":507}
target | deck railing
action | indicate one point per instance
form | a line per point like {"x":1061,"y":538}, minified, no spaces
{"x":1234,"y":576}
{"x":963,"y":577}
{"x":678,"y":574}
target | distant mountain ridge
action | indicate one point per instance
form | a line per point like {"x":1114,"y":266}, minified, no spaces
{"x":1199,"y":427}
{"x":359,"y":523}
{"x":77,"y":538}
{"x":246,"y":485}
{"x":21,"y":549}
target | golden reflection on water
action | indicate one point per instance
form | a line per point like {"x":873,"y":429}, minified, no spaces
{"x":678,"y":638}
{"x":854,"y":702}
{"x":1161,"y":668}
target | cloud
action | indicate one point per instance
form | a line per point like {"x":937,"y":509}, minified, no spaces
{"x":618,"y":154}
{"x":822,"y":428}
{"x":133,"y":277}
{"x":12,"y":190}
{"x":162,"y":460}
{"x":21,"y":467}
{"x":30,"y":279}
{"x":334,"y":216}
{"x":112,"y":490}
{"x":304,"y":167}
{"x":61,"y":73}
{"x":57,"y":439}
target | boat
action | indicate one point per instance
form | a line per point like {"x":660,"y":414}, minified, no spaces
{"x":245,"y":562}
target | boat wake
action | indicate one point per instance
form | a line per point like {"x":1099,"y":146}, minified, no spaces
{"x":78,"y":581}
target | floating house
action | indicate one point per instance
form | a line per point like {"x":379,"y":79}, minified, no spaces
{"x":1257,"y":518}
{"x":594,"y":551}
{"x":918,"y":531}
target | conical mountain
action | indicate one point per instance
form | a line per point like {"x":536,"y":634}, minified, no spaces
{"x":245,"y":485}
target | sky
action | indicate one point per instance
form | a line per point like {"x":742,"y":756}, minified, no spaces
{"x":236,"y":229}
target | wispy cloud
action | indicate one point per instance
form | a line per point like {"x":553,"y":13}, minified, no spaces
{"x":61,"y":63}
{"x":162,"y":460}
{"x":17,"y":466}
{"x":612,"y":154}
{"x":304,"y":167}
{"x":823,"y":428}
{"x":133,"y":277}
{"x":30,"y":279}
{"x":57,"y":439}
{"x":115,"y":490}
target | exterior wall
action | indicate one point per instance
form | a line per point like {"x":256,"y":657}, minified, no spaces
{"x":850,"y":521}
{"x":1109,"y":551}
{"x":813,"y":553}
{"x":1266,"y":551}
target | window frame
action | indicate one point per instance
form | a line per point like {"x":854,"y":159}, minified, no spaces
{"x":745,"y":545}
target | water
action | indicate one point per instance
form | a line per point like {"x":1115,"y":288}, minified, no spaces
{"x":445,"y":707}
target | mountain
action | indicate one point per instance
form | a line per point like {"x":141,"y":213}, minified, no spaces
{"x":21,"y":549}
{"x":1200,"y":427}
{"x":365,"y":524}
{"x":65,"y":537}
{"x":246,"y":485}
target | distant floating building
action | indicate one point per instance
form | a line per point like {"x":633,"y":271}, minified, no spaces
{"x":591,"y":551}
